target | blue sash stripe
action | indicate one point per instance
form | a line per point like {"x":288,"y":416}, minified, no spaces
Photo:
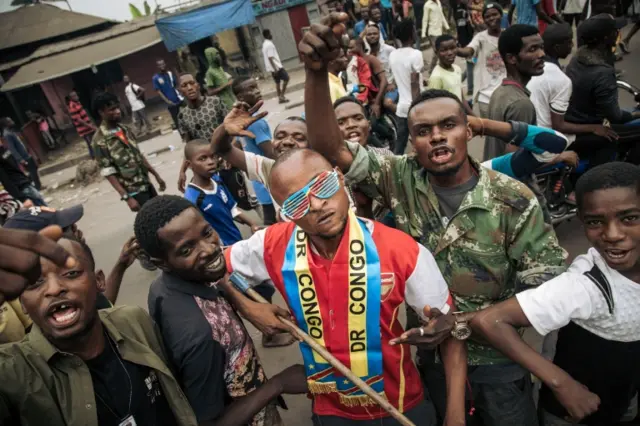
{"x":374,"y":285}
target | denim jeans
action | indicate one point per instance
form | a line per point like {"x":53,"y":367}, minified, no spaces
{"x":507,"y":403}
{"x":34,"y":195}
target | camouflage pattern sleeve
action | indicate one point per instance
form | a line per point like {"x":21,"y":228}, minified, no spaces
{"x":534,"y":248}
{"x":372,"y":172}
{"x":103,"y":157}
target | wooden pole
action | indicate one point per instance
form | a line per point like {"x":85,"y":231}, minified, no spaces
{"x":241,"y":284}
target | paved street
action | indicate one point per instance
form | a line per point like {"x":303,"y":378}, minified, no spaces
{"x":107,"y":223}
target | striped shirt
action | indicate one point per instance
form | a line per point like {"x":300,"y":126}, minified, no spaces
{"x":79,"y":116}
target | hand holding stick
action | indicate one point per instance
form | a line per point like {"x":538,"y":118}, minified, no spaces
{"x":241,"y":284}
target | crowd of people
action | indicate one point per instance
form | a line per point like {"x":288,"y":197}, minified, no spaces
{"x":352,"y":228}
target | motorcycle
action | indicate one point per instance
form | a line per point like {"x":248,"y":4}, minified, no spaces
{"x":631,"y":89}
{"x":554,"y":180}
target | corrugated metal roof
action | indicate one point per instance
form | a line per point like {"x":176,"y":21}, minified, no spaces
{"x":74,"y":55}
{"x":53,"y":48}
{"x":29,"y":24}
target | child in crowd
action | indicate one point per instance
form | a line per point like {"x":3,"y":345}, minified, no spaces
{"x":209,"y":194}
{"x":593,"y":304}
{"x":447,"y":75}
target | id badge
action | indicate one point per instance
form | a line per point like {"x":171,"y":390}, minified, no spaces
{"x":128,"y":421}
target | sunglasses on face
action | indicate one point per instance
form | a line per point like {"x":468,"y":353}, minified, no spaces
{"x":323,"y":186}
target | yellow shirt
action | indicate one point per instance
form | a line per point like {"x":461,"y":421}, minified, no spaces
{"x":336,"y":88}
{"x":13,"y":322}
{"x":449,"y":80}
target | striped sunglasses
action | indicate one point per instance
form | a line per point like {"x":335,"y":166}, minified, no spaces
{"x":323,"y":186}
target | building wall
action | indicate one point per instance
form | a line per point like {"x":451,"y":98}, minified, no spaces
{"x":139,"y":66}
{"x":55,"y":91}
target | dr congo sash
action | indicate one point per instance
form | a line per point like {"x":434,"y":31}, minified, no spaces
{"x":354,"y":283}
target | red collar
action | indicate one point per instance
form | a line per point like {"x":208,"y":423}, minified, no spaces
{"x":510,"y":82}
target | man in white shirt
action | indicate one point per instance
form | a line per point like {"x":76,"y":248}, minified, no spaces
{"x":406,"y":65}
{"x":434,"y":23}
{"x":489,"y":72}
{"x":595,"y":374}
{"x":551,"y":91}
{"x":135,"y":97}
{"x":273,"y":65}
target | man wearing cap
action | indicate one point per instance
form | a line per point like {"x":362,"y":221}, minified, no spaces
{"x":595,"y":92}
{"x":38,"y":218}
{"x":489,"y":70}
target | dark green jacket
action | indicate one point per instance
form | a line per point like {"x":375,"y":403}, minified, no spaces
{"x":39,"y":385}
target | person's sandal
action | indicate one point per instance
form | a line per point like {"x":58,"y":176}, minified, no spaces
{"x":624,"y":47}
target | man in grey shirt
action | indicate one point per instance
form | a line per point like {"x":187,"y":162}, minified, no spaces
{"x":521,"y":48}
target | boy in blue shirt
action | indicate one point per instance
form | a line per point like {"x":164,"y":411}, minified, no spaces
{"x":209,"y":194}
{"x":218,"y":207}
{"x":247,"y":90}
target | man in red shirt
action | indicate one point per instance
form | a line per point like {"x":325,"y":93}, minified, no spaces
{"x":81,"y":120}
{"x":344,"y":279}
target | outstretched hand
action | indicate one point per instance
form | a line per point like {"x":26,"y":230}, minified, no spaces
{"x":430,"y":334}
{"x":241,"y":117}
{"x":321,"y":44}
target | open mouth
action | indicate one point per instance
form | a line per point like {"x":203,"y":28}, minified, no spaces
{"x":63,"y":314}
{"x":217,"y":264}
{"x":441,"y":155}
{"x":616,"y":255}
{"x":353,"y":137}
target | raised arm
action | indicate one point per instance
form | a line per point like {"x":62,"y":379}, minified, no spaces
{"x":319,"y":46}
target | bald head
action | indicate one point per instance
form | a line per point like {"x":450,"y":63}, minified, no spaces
{"x":293,"y":170}
{"x":325,"y":218}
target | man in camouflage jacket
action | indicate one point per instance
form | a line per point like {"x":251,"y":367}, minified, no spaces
{"x":485,"y":230}
{"x":119,"y":158}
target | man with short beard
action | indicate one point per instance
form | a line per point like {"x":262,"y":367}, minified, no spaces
{"x":522,"y":51}
{"x":205,"y":338}
{"x":486,"y":230}
{"x":379,"y":50}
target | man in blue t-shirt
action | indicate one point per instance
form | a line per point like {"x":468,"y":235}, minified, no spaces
{"x":165,"y":83}
{"x":528,"y":12}
{"x":358,"y":28}
{"x":247,"y":90}
{"x":209,"y":194}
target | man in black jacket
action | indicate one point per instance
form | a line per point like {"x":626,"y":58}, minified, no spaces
{"x":18,"y":184}
{"x":594,"y":99}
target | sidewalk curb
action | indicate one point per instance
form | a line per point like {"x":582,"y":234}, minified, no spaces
{"x":292,"y":105}
{"x":53,"y":168}
{"x":292,"y":88}
{"x":65,"y":182}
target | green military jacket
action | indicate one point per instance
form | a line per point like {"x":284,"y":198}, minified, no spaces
{"x":496,"y":243}
{"x":39,"y":385}
{"x":120,"y":157}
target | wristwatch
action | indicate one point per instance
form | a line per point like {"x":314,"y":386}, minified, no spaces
{"x":125,"y":197}
{"x":461,"y":329}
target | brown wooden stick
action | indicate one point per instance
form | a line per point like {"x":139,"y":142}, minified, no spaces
{"x":335,"y":363}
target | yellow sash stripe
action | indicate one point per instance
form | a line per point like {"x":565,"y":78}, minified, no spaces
{"x":357,"y":319}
